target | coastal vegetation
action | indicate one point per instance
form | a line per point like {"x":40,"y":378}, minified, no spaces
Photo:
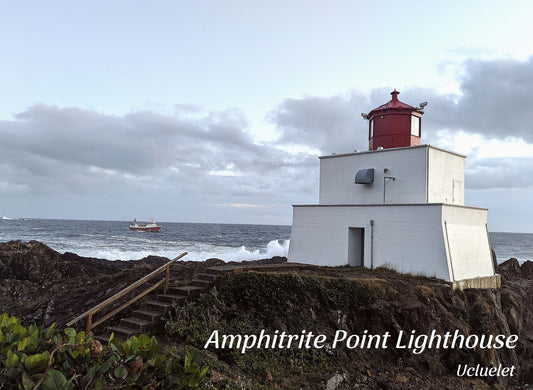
{"x":51,"y":359}
{"x":329,"y":301}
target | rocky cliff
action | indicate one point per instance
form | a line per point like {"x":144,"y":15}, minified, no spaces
{"x":326,"y":301}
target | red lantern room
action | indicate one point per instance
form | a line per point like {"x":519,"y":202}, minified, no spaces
{"x":394,"y":124}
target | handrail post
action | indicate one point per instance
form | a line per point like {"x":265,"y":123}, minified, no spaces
{"x":166,"y":278}
{"x":89,"y":323}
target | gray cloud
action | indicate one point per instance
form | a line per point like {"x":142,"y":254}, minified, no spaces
{"x":495,"y":100}
{"x":331,"y":125}
{"x":500,"y":173}
{"x":50,"y":150}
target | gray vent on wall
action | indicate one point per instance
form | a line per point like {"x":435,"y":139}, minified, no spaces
{"x":364,"y":176}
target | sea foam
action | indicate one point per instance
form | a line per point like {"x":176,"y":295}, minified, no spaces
{"x":198,"y":252}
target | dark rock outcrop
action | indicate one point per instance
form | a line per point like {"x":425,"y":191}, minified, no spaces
{"x":272,"y":260}
{"x":527,"y":270}
{"x":33,"y":261}
{"x":38,"y":284}
{"x":509,"y":269}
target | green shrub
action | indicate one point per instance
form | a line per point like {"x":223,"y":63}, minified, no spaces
{"x":48,"y":359}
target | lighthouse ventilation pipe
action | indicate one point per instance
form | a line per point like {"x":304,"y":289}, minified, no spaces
{"x":386,"y":179}
{"x":371,"y":244}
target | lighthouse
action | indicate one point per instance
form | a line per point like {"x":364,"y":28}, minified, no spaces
{"x":399,"y":205}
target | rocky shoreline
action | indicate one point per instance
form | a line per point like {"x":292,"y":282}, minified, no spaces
{"x":40,"y":285}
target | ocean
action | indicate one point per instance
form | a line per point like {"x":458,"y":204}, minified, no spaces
{"x":112,"y":240}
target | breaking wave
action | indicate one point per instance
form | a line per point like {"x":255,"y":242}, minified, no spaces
{"x":196,"y":252}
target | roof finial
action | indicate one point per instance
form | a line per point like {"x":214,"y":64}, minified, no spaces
{"x":395,"y":94}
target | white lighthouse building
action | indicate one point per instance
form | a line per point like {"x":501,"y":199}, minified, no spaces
{"x":399,"y":205}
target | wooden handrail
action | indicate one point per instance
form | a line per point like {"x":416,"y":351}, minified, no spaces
{"x":89,"y":313}
{"x":147,"y":291}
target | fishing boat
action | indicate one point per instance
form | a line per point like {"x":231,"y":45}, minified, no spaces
{"x":151,"y":226}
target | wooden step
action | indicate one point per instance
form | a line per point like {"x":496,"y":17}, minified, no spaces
{"x":210,"y":277}
{"x":188,"y":291}
{"x":213,"y":271}
{"x":154,"y":309}
{"x":178,"y":298}
{"x":158,"y":306}
{"x":103,"y":338}
{"x":122,"y":332}
{"x":135,"y":323}
{"x":201,"y":283}
{"x":147,"y":315}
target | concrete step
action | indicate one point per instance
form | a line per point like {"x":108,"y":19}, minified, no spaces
{"x":188,"y":291}
{"x":201,"y":283}
{"x":170,"y":297}
{"x":158,"y":306}
{"x":147,"y":315}
{"x":135,"y":323}
{"x":122,"y":332}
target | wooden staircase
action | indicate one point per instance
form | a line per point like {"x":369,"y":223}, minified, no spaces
{"x":156,"y":307}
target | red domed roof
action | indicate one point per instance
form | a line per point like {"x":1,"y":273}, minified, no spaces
{"x":393,"y":104}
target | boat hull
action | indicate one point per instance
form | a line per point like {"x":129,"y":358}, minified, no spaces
{"x":145,"y":228}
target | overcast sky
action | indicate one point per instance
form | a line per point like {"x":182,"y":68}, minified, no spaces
{"x":216,"y":111}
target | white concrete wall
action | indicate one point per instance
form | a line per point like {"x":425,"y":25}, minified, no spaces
{"x":467,"y":242}
{"x":422,"y":228}
{"x":423,"y":174}
{"x":448,"y":242}
{"x":407,"y":165}
{"x":446,"y":176}
{"x":408,"y":238}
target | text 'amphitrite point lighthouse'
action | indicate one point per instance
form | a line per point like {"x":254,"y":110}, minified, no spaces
{"x":400,"y":205}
